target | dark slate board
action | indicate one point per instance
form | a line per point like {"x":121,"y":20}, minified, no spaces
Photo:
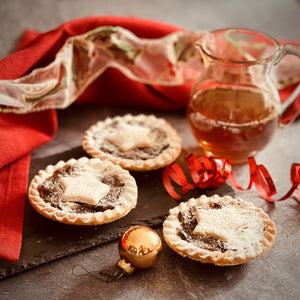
{"x":46,"y":240}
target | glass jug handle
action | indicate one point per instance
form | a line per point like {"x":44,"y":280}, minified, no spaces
{"x":287,"y":107}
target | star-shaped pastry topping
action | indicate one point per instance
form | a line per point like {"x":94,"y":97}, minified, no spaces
{"x":218,"y":223}
{"x":128,"y":137}
{"x":84,"y":188}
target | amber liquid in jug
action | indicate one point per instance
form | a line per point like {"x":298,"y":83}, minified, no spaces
{"x":235,"y":122}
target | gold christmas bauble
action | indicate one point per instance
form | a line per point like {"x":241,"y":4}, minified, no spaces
{"x":140,"y":246}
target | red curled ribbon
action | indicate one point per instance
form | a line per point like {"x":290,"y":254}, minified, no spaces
{"x":213,"y":172}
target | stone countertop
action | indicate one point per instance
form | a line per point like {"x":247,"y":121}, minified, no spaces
{"x":47,"y":259}
{"x":275,"y":17}
{"x":51,"y":250}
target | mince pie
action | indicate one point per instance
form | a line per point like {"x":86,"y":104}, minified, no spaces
{"x":138,"y":142}
{"x":219,"y":230}
{"x":83,"y":192}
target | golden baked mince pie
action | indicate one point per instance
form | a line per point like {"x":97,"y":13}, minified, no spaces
{"x":138,"y":142}
{"x":83,"y":192}
{"x":219,"y":230}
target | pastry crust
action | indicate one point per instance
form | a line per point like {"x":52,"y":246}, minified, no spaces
{"x":65,"y":212}
{"x":241,"y":243}
{"x":98,"y":141}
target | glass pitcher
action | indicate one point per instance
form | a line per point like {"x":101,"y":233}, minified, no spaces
{"x":235,"y":108}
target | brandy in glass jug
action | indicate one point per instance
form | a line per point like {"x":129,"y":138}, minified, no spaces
{"x":234,"y":109}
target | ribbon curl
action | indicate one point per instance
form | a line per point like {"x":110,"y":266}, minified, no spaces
{"x":213,"y":172}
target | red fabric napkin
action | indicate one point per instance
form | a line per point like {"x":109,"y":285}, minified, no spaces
{"x":21,"y":134}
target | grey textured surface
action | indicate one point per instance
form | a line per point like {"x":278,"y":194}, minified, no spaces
{"x":272,"y":276}
{"x":276,"y":17}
